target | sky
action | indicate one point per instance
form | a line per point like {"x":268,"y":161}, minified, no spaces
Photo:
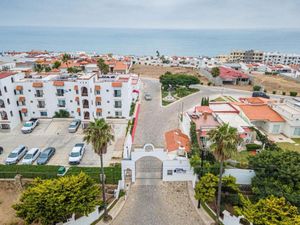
{"x":170,"y":14}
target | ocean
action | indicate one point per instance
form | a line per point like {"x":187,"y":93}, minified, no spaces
{"x":147,"y":41}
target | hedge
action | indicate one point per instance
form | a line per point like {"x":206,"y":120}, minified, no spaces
{"x":253,"y":146}
{"x":113,"y":173}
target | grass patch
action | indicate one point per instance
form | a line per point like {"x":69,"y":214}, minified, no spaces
{"x":218,"y":99}
{"x":290,"y":146}
{"x":178,"y":93}
{"x":242,"y":157}
{"x":28,"y":171}
{"x":113,"y":173}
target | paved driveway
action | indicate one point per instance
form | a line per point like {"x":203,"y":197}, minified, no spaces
{"x":155,"y":120}
{"x":166,"y":203}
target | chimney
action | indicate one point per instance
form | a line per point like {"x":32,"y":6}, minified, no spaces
{"x":205,"y":115}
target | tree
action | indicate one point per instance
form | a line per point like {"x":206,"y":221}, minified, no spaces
{"x":269,"y":211}
{"x":56,"y":65}
{"x":38,"y":68}
{"x":277,"y":173}
{"x":56,"y":200}
{"x":176,"y":80}
{"x":99,"y":134}
{"x":65,"y":58}
{"x":225,"y":140}
{"x":215,"y":72}
{"x":103,"y":67}
{"x":256,"y":88}
{"x":206,"y":188}
{"x":47,"y":68}
{"x":62,"y":114}
{"x":157,"y":53}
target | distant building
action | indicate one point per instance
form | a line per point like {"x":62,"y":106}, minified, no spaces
{"x":274,"y":58}
{"x":231,"y":76}
{"x":248,"y":56}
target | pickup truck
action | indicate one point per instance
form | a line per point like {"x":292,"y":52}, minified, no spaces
{"x":29,"y":126}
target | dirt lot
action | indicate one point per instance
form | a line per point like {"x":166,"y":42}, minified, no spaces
{"x":276,"y":83}
{"x":8,"y":197}
{"x":156,"y":71}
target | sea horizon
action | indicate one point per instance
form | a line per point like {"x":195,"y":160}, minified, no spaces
{"x":146,"y":41}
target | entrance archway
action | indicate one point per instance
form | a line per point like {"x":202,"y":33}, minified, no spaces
{"x":148,"y":167}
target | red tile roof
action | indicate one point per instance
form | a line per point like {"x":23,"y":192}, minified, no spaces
{"x":6,"y":74}
{"x":226,"y":73}
{"x":175,"y":139}
{"x":261,"y":112}
{"x":203,"y":109}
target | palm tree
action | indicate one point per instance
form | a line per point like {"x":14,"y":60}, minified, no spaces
{"x":65,"y":58}
{"x":99,"y":134}
{"x":225,"y":140}
{"x":103,"y":67}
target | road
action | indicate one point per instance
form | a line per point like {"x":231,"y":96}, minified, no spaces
{"x":155,"y":120}
{"x":162,"y":203}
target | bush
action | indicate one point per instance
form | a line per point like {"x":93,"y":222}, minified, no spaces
{"x":293,"y":93}
{"x":253,"y":146}
{"x":274,"y":92}
{"x":62,"y":114}
{"x":215,"y":71}
{"x":182,"y":91}
{"x":283,"y":93}
{"x":256,"y":88}
{"x":177,"y":80}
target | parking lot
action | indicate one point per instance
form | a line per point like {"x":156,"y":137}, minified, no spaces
{"x":54,"y":133}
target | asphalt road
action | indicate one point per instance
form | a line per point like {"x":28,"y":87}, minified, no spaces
{"x":155,"y":120}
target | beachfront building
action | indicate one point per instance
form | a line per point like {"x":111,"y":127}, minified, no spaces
{"x":84,"y":95}
{"x":274,"y":58}
{"x":248,"y":56}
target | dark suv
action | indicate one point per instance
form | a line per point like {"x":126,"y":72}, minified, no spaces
{"x":260,"y":94}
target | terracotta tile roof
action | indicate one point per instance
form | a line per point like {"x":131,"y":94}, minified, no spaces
{"x":120,"y":66}
{"x":6,"y":74}
{"x":203,"y":109}
{"x":97,"y":87}
{"x":175,"y":139}
{"x":55,"y":70}
{"x":226,"y":73}
{"x":256,"y":100}
{"x":261,"y":112}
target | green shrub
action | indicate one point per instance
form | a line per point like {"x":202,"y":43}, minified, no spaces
{"x":283,"y":93}
{"x":252,"y":146}
{"x":62,"y":114}
{"x":256,"y":88}
{"x":293,"y":93}
{"x":274,"y":92}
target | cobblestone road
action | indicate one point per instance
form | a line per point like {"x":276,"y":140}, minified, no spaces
{"x":166,"y":203}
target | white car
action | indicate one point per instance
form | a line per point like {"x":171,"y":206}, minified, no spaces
{"x":16,"y":155}
{"x":76,"y":154}
{"x":31,"y":156}
{"x":29,"y":126}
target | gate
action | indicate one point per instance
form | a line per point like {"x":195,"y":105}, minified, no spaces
{"x":148,"y":167}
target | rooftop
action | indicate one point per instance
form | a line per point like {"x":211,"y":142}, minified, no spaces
{"x":226,"y":73}
{"x":175,"y":139}
{"x":6,"y":74}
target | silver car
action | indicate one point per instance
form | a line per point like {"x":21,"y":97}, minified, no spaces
{"x":16,"y":155}
{"x":74,"y":126}
{"x":147,"y":97}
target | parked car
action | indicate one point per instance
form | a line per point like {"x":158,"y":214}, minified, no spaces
{"x":148,"y":97}
{"x":76,"y":154}
{"x":74,"y":126}
{"x":16,"y":155}
{"x":29,"y":126}
{"x":1,"y":150}
{"x":260,"y":94}
{"x":45,"y":155}
{"x":31,"y":156}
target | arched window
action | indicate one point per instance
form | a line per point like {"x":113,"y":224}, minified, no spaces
{"x":84,"y":91}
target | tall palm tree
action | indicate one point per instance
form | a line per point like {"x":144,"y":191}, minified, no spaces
{"x":225,"y":140}
{"x":103,"y":67}
{"x":99,"y":134}
{"x":65,"y":58}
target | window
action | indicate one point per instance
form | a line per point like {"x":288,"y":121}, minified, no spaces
{"x":170,"y":172}
{"x":98,"y":92}
{"x":12,"y":79}
{"x":11,"y":113}
{"x":297,"y":131}
{"x":118,"y":104}
{"x":61,"y":103}
{"x":5,"y":89}
{"x":98,"y":114}
{"x":117,"y":93}
{"x":276,"y":129}
{"x":44,"y":113}
{"x":118,"y":113}
{"x":8,"y":101}
{"x":98,"y":103}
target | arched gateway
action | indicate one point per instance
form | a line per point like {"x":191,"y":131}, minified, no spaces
{"x":148,"y":167}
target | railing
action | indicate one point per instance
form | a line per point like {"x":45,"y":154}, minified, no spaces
{"x":2,"y":106}
{"x":84,"y":94}
{"x":39,"y":95}
{"x":41,"y":106}
{"x":60,"y":94}
{"x":85,"y":106}
{"x":61,"y":105}
{"x":4,"y":118}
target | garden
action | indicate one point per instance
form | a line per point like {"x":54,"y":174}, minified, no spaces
{"x":176,"y":86}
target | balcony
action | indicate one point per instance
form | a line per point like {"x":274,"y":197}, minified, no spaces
{"x":2,"y":105}
{"x":41,"y":106}
{"x":85,"y":106}
{"x":84,"y":94}
{"x":39,"y":95}
{"x":4,"y":118}
{"x":60,"y":94}
{"x":61,"y":105}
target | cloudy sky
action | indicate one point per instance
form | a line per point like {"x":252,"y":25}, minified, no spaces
{"x":152,"y":13}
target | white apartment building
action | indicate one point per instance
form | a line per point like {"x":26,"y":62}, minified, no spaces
{"x":280,"y":58}
{"x":85,"y":96}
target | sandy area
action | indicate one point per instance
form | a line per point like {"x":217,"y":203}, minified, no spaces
{"x":157,"y":71}
{"x":7,"y":213}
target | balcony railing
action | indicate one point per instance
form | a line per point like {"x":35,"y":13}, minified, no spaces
{"x":61,"y":105}
{"x":39,"y":95}
{"x":85,"y":106}
{"x":60,"y":94}
{"x":41,"y":106}
{"x":84,"y":94}
{"x":4,"y":118}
